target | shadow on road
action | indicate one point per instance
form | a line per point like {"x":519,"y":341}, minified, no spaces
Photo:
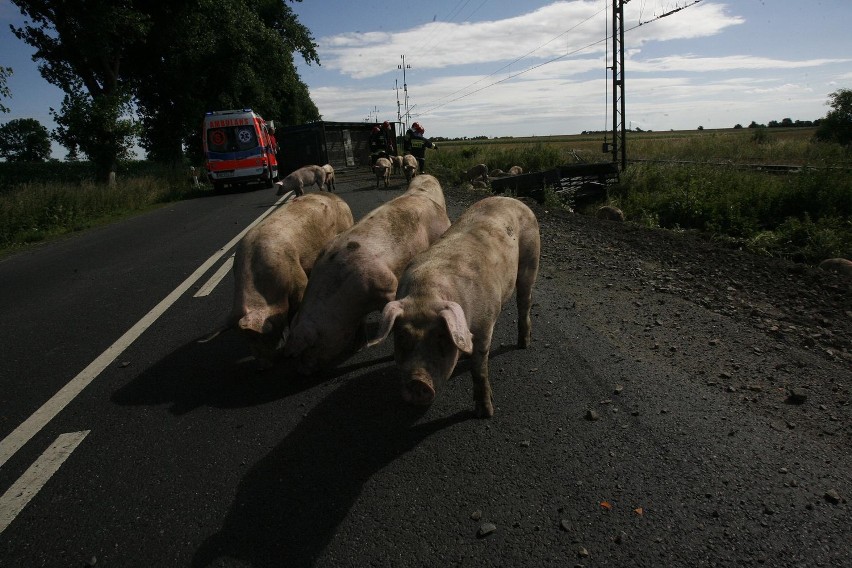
{"x":212,"y":374}
{"x":288,"y":506}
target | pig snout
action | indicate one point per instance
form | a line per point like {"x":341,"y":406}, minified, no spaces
{"x":418,"y":389}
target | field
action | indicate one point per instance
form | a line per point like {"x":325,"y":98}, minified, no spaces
{"x":702,"y":180}
{"x":686,"y":180}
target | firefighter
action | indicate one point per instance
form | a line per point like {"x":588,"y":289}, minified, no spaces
{"x":416,"y":144}
{"x":377,"y":145}
{"x":390,"y":139}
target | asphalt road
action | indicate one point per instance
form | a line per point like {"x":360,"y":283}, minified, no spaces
{"x":179,"y":454}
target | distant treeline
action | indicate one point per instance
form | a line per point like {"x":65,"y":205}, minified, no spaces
{"x":783,"y":123}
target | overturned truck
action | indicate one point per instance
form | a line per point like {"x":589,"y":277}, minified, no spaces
{"x":341,"y":144}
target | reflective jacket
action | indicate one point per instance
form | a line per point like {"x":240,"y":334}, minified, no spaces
{"x":416,"y":143}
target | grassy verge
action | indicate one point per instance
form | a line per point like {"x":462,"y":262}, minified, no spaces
{"x":806,"y":217}
{"x":37,"y":211}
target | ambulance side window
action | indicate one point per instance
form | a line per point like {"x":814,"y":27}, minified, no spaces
{"x":246,"y":137}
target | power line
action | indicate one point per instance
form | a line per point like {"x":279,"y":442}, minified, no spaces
{"x":504,"y":79}
{"x":534,"y":67}
{"x":521,"y":57}
{"x":449,"y":19}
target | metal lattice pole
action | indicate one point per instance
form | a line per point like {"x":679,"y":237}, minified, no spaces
{"x":619,"y":130}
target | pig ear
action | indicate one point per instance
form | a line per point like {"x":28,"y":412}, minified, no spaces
{"x":389,"y":314}
{"x":252,"y":321}
{"x":457,"y":326}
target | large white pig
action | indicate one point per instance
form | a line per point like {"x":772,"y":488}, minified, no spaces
{"x":271,"y":267}
{"x":358,"y":274}
{"x":450,"y":296}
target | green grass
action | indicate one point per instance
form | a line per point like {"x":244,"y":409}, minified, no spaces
{"x":806,"y":217}
{"x":37,"y":211}
{"x":690,"y":181}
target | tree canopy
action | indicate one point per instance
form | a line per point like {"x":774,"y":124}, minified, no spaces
{"x":4,"y":90}
{"x":24,"y":140}
{"x":169,"y":62}
{"x":837,"y":124}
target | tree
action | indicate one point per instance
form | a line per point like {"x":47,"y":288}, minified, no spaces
{"x":837,"y":124}
{"x":172,"y":60}
{"x":82,"y":46}
{"x":107,"y":116}
{"x":24,"y":140}
{"x":5,"y":93}
{"x":223,"y":55}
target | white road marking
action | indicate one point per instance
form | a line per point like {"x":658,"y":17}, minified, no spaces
{"x":216,"y":278}
{"x":25,"y":488}
{"x":32,"y":425}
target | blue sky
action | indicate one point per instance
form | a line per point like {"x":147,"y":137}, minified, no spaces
{"x":713,"y":64}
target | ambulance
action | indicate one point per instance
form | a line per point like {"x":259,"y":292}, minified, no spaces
{"x":239,"y":148}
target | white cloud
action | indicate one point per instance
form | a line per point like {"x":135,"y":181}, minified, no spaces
{"x":553,"y":30}
{"x":693,"y":63}
{"x":545,"y":72}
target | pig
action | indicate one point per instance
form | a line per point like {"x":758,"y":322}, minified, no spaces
{"x":358,"y":273}
{"x":839,"y":265}
{"x":329,"y":177}
{"x":382,"y":169}
{"x":396,"y":161}
{"x":296,"y":181}
{"x":271,"y":267}
{"x":450,"y":296}
{"x":409,"y":167}
{"x":610,"y":213}
{"x":516,"y":170}
{"x":478,"y":172}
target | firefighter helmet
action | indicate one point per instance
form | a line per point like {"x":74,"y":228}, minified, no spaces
{"x":417,"y":128}
{"x":386,"y":125}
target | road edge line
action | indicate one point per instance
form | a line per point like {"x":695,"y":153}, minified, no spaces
{"x":40,"y":418}
{"x":37,"y":475}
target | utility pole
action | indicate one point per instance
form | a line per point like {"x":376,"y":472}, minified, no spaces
{"x":398,"y":112}
{"x":619,"y":132}
{"x":403,"y":66}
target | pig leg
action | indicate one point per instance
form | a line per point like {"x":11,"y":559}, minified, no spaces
{"x":524,"y":322}
{"x":527,"y":272}
{"x":482,"y":397}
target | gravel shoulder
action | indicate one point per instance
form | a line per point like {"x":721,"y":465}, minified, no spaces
{"x":765,"y":333}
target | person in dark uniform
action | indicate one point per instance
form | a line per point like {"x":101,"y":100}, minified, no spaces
{"x":390,"y":139}
{"x":377,"y":145}
{"x":416,"y":144}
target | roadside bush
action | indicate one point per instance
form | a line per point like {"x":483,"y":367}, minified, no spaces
{"x":806,"y":217}
{"x":34,"y":211}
